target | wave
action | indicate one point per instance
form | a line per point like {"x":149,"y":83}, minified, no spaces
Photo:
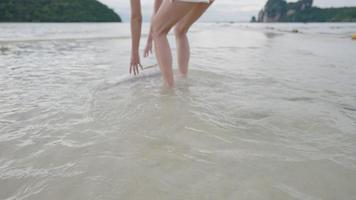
{"x":149,"y":71}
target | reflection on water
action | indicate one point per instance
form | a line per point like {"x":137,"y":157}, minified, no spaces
{"x":272,"y":35}
{"x":264,"y":114}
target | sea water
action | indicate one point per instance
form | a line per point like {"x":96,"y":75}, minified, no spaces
{"x":266,"y":113}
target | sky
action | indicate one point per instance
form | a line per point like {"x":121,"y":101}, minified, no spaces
{"x":221,"y":10}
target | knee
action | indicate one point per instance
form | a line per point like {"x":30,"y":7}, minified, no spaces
{"x":180,"y":31}
{"x":158,"y":31}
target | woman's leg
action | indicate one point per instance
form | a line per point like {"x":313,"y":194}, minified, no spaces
{"x":167,"y":16}
{"x":182,"y":43}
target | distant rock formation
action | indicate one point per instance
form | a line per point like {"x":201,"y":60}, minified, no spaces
{"x":280,"y":10}
{"x":303,"y":11}
{"x":56,"y":11}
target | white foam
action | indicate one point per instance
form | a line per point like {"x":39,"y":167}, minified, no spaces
{"x":148,"y":72}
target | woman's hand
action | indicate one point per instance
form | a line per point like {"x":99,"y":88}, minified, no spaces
{"x":148,"y":49}
{"x":135,"y":64}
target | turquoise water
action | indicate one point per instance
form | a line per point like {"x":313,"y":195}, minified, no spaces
{"x":265,"y":114}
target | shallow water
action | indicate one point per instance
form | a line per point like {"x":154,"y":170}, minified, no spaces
{"x":264,"y":114}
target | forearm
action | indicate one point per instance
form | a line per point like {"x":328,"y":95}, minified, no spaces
{"x":136,"y":23}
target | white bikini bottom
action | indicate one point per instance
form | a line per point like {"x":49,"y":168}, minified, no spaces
{"x":196,"y":1}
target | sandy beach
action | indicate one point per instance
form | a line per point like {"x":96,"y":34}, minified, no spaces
{"x":268,"y":112}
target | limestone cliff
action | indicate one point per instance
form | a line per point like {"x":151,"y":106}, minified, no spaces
{"x":303,"y":11}
{"x":281,"y":11}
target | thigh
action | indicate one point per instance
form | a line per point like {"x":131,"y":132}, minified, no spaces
{"x":170,"y":13}
{"x":189,"y":19}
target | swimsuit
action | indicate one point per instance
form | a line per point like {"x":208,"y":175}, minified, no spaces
{"x":196,"y":1}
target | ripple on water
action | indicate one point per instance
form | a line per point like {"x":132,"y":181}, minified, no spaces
{"x":260,"y":118}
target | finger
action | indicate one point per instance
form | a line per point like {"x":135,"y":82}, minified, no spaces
{"x":130,"y":69}
{"x":134,"y":69}
{"x":137,"y":69}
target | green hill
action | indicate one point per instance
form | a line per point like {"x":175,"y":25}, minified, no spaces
{"x":56,"y":11}
{"x":303,"y":11}
{"x":315,"y":14}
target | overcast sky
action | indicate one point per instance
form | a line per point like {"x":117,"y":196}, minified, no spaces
{"x":222,"y":10}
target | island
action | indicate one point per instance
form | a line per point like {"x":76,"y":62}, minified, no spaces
{"x":56,"y":11}
{"x":303,"y":11}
